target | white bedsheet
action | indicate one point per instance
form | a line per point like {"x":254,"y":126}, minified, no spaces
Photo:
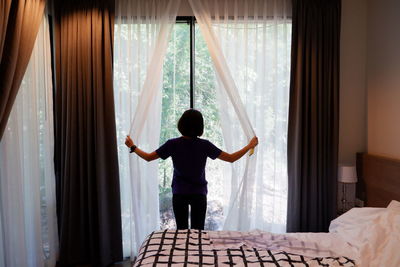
{"x":306,"y":244}
{"x":370,"y":236}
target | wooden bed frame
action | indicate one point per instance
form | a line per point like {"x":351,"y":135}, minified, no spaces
{"x":379,"y":180}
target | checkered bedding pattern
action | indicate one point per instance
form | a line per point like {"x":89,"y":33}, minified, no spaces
{"x":194,"y":248}
{"x":268,"y":241}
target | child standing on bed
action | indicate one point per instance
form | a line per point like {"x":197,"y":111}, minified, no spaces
{"x":189,"y":155}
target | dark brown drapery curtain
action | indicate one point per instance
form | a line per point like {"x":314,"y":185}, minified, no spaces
{"x":86,"y":160}
{"x":19,"y":25}
{"x":313,"y":115}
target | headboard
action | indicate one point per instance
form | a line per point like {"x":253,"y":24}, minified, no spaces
{"x":379,"y":179}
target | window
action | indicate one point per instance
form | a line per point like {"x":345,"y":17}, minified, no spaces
{"x":257,"y":51}
{"x":189,"y":81}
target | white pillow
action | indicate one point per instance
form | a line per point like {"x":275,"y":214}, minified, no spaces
{"x":394,"y":205}
{"x":360,"y":217}
{"x":352,"y":225}
{"x":374,"y":232}
{"x":355,"y":219}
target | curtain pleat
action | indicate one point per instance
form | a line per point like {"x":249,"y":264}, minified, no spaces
{"x":313,"y":115}
{"x":249,"y":45}
{"x":86,"y":160}
{"x":142,"y":31}
{"x":28,"y":222}
{"x":19,"y":25}
{"x":5,"y":12}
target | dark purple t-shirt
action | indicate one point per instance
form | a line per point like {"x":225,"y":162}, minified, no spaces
{"x":189,"y":156}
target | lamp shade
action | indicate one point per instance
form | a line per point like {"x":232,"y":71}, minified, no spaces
{"x":347,"y":174}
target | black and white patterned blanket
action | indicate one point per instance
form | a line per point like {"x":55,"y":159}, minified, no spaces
{"x":195,"y":248}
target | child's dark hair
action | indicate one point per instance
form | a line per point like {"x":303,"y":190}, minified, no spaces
{"x":191,"y":123}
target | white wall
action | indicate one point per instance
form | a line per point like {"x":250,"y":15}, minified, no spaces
{"x":353,"y":49}
{"x":383,"y":77}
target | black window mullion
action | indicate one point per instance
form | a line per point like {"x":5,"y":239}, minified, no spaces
{"x":191,"y":21}
{"x":192,"y":58}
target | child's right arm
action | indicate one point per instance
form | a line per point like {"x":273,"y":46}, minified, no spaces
{"x":238,"y":154}
{"x":144,"y":155}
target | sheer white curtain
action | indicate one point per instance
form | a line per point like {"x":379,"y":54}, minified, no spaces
{"x":28,"y":233}
{"x":249,"y":43}
{"x":142,"y":29}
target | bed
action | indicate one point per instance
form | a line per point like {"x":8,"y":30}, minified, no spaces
{"x":366,"y":237}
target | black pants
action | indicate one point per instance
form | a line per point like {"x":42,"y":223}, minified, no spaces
{"x":198,"y":205}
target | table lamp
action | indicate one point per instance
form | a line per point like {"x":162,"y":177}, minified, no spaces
{"x":346,"y":175}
